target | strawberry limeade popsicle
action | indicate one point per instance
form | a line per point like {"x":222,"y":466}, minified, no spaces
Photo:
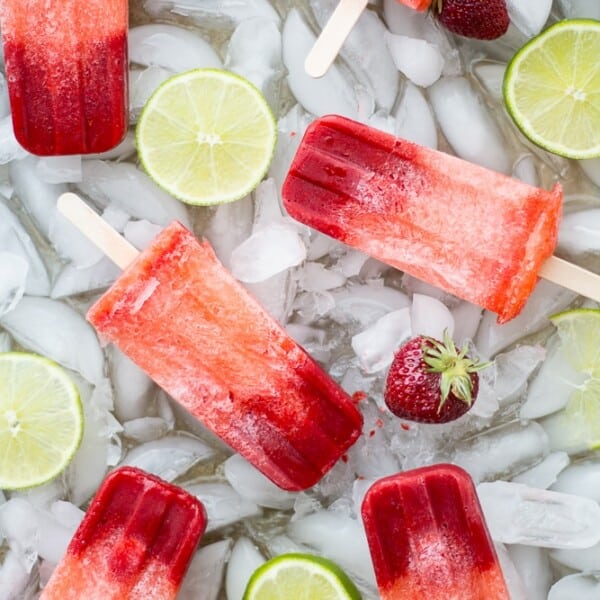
{"x":66,"y":68}
{"x":183,"y":318}
{"x":135,"y":542}
{"x":474,"y":233}
{"x":428,"y":538}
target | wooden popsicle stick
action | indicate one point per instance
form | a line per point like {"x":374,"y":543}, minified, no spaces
{"x":97,"y":230}
{"x":572,"y":277}
{"x":332,"y":37}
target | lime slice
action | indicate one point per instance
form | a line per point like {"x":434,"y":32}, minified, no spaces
{"x":579,"y":332}
{"x":41,"y":420}
{"x":206,"y":136}
{"x":576,"y":428}
{"x":552,"y":89}
{"x":300,"y":576}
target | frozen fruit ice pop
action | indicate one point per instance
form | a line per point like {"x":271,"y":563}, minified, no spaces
{"x":428,"y":538}
{"x":475,"y":233}
{"x":135,"y":542}
{"x":66,"y":68}
{"x":183,"y":318}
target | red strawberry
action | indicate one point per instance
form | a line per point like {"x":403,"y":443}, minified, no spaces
{"x":479,"y":19}
{"x":431,"y":381}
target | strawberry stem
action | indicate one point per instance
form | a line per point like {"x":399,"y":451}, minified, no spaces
{"x":454,"y":366}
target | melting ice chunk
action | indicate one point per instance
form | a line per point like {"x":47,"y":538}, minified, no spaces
{"x":520,"y":514}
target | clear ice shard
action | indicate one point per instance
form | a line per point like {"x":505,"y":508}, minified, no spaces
{"x":520,"y":514}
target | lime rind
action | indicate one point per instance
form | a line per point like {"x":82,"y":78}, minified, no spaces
{"x":207,"y":136}
{"x":548,"y":107}
{"x":296,"y":575}
{"x":41,"y":420}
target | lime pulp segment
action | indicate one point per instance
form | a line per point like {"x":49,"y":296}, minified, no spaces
{"x":41,"y":420}
{"x":300,"y":576}
{"x":207,"y":136}
{"x":552,"y":89}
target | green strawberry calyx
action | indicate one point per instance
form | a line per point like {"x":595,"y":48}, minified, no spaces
{"x":454,"y":366}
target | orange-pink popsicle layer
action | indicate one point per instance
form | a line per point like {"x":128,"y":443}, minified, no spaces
{"x":66,"y":68}
{"x":183,"y":318}
{"x":472,"y":232}
{"x":135,"y":542}
{"x":428,"y":538}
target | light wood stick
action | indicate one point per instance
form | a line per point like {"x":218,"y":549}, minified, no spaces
{"x":97,"y":230}
{"x":332,"y":37}
{"x":572,"y":277}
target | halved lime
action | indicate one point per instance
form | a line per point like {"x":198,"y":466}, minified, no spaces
{"x":41,"y":420}
{"x":300,"y":576}
{"x":552,"y":88}
{"x":576,"y":428}
{"x":206,"y":136}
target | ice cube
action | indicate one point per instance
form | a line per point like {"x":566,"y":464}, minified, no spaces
{"x":268,"y":251}
{"x":583,"y":586}
{"x":174,"y":48}
{"x":414,"y":118}
{"x":534,"y":568}
{"x":13,"y":276}
{"x":340,"y":538}
{"x":468,"y":125}
{"x":250,"y":483}
{"x":254,"y":52}
{"x":529,"y":16}
{"x":578,"y":9}
{"x":581,"y":478}
{"x":419,"y":60}
{"x":519,"y":514}
{"x":430,"y":317}
{"x":505,"y":450}
{"x":169,"y":457}
{"x":579,"y":232}
{"x":54,"y":329}
{"x":205,"y":573}
{"x":366,"y":53}
{"x":60,"y":169}
{"x":244,"y":560}
{"x":545,"y":473}
{"x":223,"y":504}
{"x":330,"y":94}
{"x":375,"y":346}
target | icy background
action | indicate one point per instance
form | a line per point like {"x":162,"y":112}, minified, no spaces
{"x":400,"y":72}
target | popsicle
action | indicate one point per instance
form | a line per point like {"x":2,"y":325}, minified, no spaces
{"x":135,"y":542}
{"x":428,"y":538}
{"x":337,"y":29}
{"x":472,"y":232}
{"x":66,"y":68}
{"x":184,"y":319}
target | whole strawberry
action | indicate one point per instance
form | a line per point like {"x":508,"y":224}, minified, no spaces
{"x":479,"y":19}
{"x":431,"y":381}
